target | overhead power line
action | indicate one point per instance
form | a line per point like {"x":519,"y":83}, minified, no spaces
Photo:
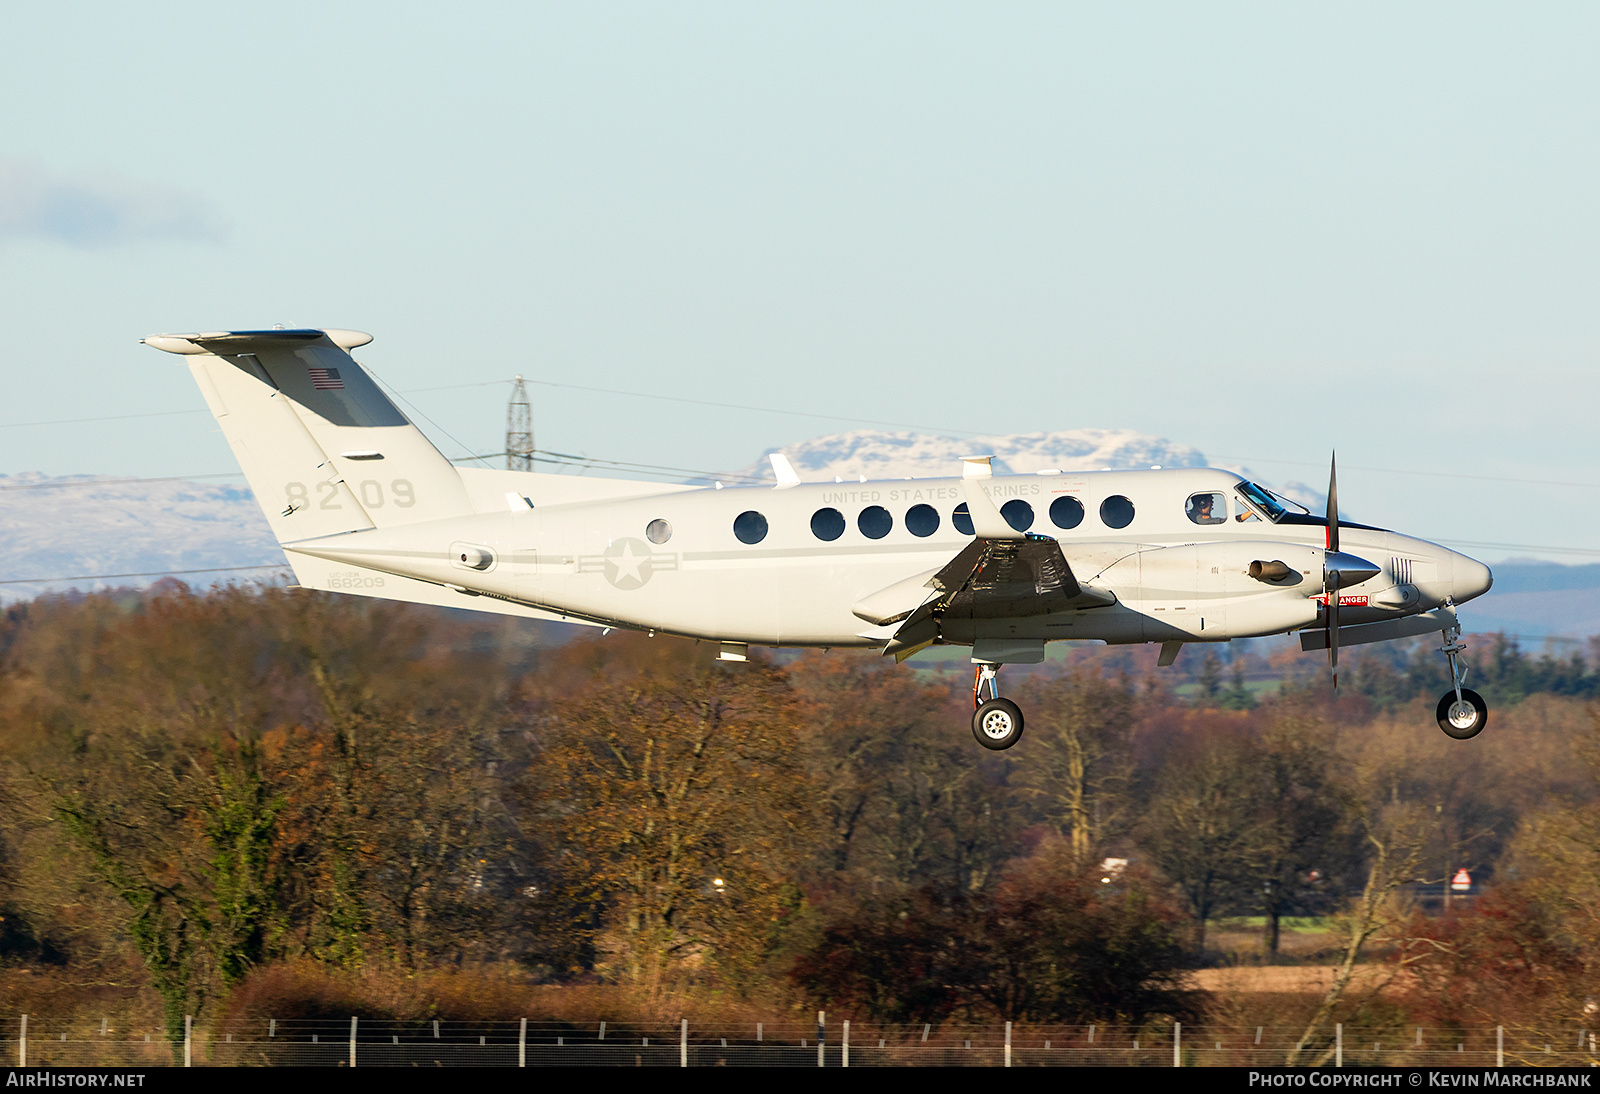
{"x":1411,"y":471}
{"x":147,"y":573}
{"x":106,"y":418}
{"x":1520,"y":547}
{"x":117,"y":482}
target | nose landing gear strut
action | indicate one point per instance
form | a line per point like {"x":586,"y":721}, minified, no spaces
{"x":997,"y":722}
{"x":1462,"y":713}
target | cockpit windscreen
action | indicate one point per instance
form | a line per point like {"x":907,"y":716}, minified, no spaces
{"x":1262,"y":500}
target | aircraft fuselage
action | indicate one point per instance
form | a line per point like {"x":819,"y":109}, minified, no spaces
{"x":1172,"y":578}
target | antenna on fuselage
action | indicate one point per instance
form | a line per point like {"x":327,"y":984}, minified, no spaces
{"x":519,"y":429}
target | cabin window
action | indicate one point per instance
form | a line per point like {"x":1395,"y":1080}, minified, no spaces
{"x":1066,"y":512}
{"x":827,"y":524}
{"x":1018,"y":514}
{"x":962,"y":519}
{"x":922,"y":520}
{"x":750,"y":526}
{"x":1116,"y":512}
{"x":875,"y":522}
{"x":1207,"y":508}
{"x":658,"y":531}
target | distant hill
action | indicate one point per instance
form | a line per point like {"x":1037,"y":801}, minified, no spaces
{"x":1538,"y":599}
{"x":880,"y":454}
{"x":99,"y":524}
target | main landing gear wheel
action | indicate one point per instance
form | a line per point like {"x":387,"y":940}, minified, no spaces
{"x":997,"y":724}
{"x":1464,"y":717}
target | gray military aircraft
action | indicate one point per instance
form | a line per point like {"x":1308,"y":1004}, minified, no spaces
{"x":362,"y":503}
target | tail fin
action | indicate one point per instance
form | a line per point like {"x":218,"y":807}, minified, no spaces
{"x":324,"y":450}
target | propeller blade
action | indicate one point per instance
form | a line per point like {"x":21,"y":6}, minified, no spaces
{"x":1333,"y":503}
{"x":1333,"y":627}
{"x":1330,"y":579}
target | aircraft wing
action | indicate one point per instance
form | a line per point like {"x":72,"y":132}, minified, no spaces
{"x":990,"y":579}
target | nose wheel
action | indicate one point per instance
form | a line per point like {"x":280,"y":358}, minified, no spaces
{"x":996,"y":722}
{"x":1464,"y":717}
{"x":1462,"y":713}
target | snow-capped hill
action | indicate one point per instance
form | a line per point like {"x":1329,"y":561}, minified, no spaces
{"x":95,"y":524}
{"x":879,"y":454}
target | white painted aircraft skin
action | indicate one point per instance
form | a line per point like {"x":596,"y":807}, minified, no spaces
{"x":1172,"y":579}
{"x":362,"y":503}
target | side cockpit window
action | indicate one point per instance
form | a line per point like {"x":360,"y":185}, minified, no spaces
{"x":1260,"y":500}
{"x":1207,"y":508}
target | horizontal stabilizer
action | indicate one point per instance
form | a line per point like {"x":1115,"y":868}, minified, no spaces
{"x":333,"y":575}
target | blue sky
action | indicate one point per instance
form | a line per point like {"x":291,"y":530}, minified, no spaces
{"x":1261,"y":229}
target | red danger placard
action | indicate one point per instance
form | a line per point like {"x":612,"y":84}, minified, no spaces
{"x":1345,"y":601}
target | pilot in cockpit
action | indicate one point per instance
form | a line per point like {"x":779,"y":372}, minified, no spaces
{"x":1207,"y":509}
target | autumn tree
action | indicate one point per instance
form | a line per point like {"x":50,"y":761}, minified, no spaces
{"x":1300,"y":826}
{"x":1080,"y":757}
{"x":1049,"y":942}
{"x":907,"y":799}
{"x":1199,"y":826}
{"x":679,"y":802}
{"x":247,"y":776}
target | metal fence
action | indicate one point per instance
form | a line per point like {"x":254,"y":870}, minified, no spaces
{"x":34,"y":1041}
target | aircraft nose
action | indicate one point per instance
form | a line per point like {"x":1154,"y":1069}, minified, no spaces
{"x":1472,"y":578}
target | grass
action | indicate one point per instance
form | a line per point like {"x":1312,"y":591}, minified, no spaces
{"x":1297,"y":924}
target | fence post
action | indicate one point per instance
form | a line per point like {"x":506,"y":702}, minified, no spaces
{"x":846,"y":1061}
{"x":758,"y":1033}
{"x":272,"y":1027}
{"x":1499,"y":1046}
{"x":352,"y":1040}
{"x":683,"y":1044}
{"x":188,"y":1038}
{"x":1338,"y":1045}
{"x":925,"y":1028}
{"x":522,"y":1042}
{"x":1177,"y":1044}
{"x":822,"y":1024}
{"x":1008,"y":1044}
{"x":602,"y":1031}
{"x":22,"y":1044}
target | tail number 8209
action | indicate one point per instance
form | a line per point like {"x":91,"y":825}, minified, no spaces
{"x":370,"y":491}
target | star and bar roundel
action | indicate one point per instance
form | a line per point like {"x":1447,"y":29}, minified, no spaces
{"x":628,"y":563}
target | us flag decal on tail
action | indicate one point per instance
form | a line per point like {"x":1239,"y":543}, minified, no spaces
{"x":326,"y":379}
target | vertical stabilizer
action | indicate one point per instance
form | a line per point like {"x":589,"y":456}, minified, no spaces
{"x":324,"y":450}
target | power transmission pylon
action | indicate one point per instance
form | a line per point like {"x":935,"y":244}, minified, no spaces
{"x":519,"y":430}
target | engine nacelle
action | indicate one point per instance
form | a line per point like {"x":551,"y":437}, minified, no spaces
{"x":1234,"y":589}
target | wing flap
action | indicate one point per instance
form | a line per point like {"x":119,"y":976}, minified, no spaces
{"x":988,"y":579}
